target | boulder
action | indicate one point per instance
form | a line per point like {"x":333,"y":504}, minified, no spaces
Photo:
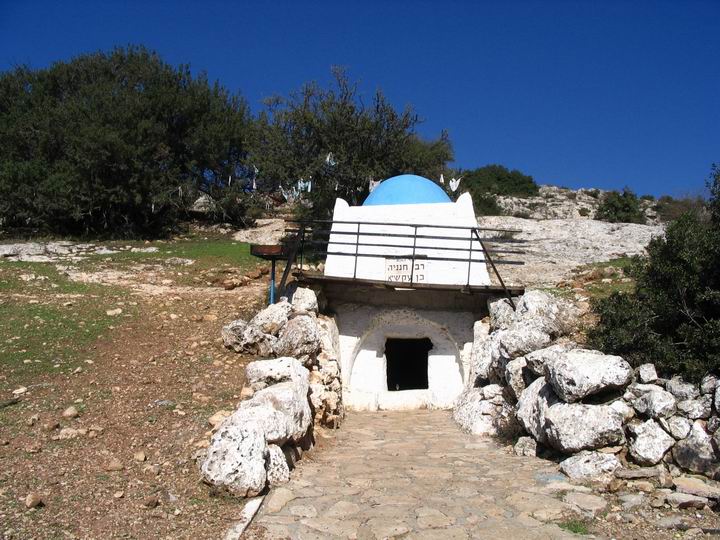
{"x":235,"y":460}
{"x":681,"y":389}
{"x":717,"y":400}
{"x":474,"y":413}
{"x":304,"y":299}
{"x":516,"y":376}
{"x":580,"y":373}
{"x":525,"y":446}
{"x":683,"y":500}
{"x":537,"y":360}
{"x":532,"y":406}
{"x":648,"y":442}
{"x":589,"y":465}
{"x":278,"y":471}
{"x":636,"y":390}
{"x":256,"y":342}
{"x":696,"y":408}
{"x":646,"y":373}
{"x":263,"y":373}
{"x":232,"y":335}
{"x":697,"y":486}
{"x":571,"y":427}
{"x":655,"y":403}
{"x":521,"y":338}
{"x":502,"y":313}
{"x":677,"y":426}
{"x":299,"y":338}
{"x":623,"y":409}
{"x":329,"y":338}
{"x":284,"y":410}
{"x":480,"y":357}
{"x":273,"y":318}
{"x":551,"y":314}
{"x":708,"y":384}
{"x":696,"y":453}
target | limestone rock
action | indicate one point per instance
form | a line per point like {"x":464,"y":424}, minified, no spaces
{"x":263,"y":373}
{"x":502,"y":313}
{"x":255,"y":341}
{"x":525,"y":446}
{"x":681,"y":389}
{"x":623,"y":409}
{"x":232,"y":335}
{"x":708,"y":384}
{"x":475,"y":414}
{"x":684,"y":500}
{"x":532,"y":407}
{"x":273,"y":318}
{"x":648,"y":442}
{"x":284,"y":410}
{"x":656,"y":403}
{"x":537,"y":360}
{"x":551,"y":314}
{"x":304,"y":299}
{"x":572,"y":427}
{"x":646,"y":373}
{"x":235,"y":460}
{"x":677,"y":426}
{"x":696,"y":453}
{"x":717,"y":400}
{"x":480,"y":357}
{"x":521,"y":338}
{"x":589,"y":465}
{"x":299,"y":338}
{"x":580,"y":373}
{"x":696,"y":408}
{"x":515,"y":375}
{"x":329,"y":337}
{"x":696,"y":486}
{"x":278,"y":471}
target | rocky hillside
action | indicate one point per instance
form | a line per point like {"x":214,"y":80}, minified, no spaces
{"x":554,"y":247}
{"x":562,"y":203}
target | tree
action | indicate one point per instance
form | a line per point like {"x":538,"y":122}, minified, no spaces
{"x":114,"y":143}
{"x":331,"y":138}
{"x":485,"y":183}
{"x":620,"y":208}
{"x":673,"y":317}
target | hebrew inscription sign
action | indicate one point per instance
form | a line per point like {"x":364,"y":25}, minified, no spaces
{"x":401,"y":271}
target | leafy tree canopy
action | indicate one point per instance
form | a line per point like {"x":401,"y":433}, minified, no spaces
{"x":486,"y":182}
{"x":331,"y":137}
{"x":673,"y":318}
{"x":619,"y":207}
{"x":113,"y":143}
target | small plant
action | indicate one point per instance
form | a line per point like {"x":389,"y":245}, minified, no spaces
{"x":594,"y":193}
{"x":574,"y":526}
{"x":584,"y":212}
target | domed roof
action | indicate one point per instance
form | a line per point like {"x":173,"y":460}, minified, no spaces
{"x":407,"y":189}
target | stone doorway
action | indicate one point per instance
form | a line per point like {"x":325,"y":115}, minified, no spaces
{"x":407,"y":363}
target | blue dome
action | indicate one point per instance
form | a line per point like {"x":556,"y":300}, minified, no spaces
{"x":407,"y":189}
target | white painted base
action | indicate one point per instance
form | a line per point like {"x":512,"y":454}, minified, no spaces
{"x":363,"y":333}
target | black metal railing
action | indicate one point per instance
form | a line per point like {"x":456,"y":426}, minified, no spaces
{"x":317,"y":239}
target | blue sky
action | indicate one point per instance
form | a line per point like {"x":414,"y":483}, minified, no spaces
{"x":596,"y":94}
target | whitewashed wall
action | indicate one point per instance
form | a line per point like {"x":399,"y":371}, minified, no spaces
{"x":459,"y":213}
{"x":363,"y":332}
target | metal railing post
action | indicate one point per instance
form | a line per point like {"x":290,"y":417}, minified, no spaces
{"x":412,"y":262}
{"x":492,"y":264}
{"x":470,"y":258}
{"x":357,"y":243}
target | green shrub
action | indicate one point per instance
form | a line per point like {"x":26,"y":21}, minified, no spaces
{"x":594,"y":193}
{"x":584,"y":212}
{"x":116,"y":143}
{"x":673,"y":317}
{"x":620,"y":208}
{"x":670,"y":209}
{"x":486,"y":205}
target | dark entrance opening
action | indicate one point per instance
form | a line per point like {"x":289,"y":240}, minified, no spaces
{"x":407,"y":363}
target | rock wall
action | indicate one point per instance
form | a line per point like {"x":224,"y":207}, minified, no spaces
{"x":600,"y":416}
{"x":284,"y":398}
{"x":553,"y":202}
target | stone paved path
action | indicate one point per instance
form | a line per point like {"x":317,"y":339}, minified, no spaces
{"x":415,"y":475}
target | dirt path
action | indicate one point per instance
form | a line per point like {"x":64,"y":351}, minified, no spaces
{"x":415,"y":475}
{"x":124,"y":468}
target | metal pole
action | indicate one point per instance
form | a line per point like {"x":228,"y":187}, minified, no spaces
{"x":272,"y":282}
{"x":412,"y":268}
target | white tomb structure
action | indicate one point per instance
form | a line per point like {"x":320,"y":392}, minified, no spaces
{"x":404,"y":346}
